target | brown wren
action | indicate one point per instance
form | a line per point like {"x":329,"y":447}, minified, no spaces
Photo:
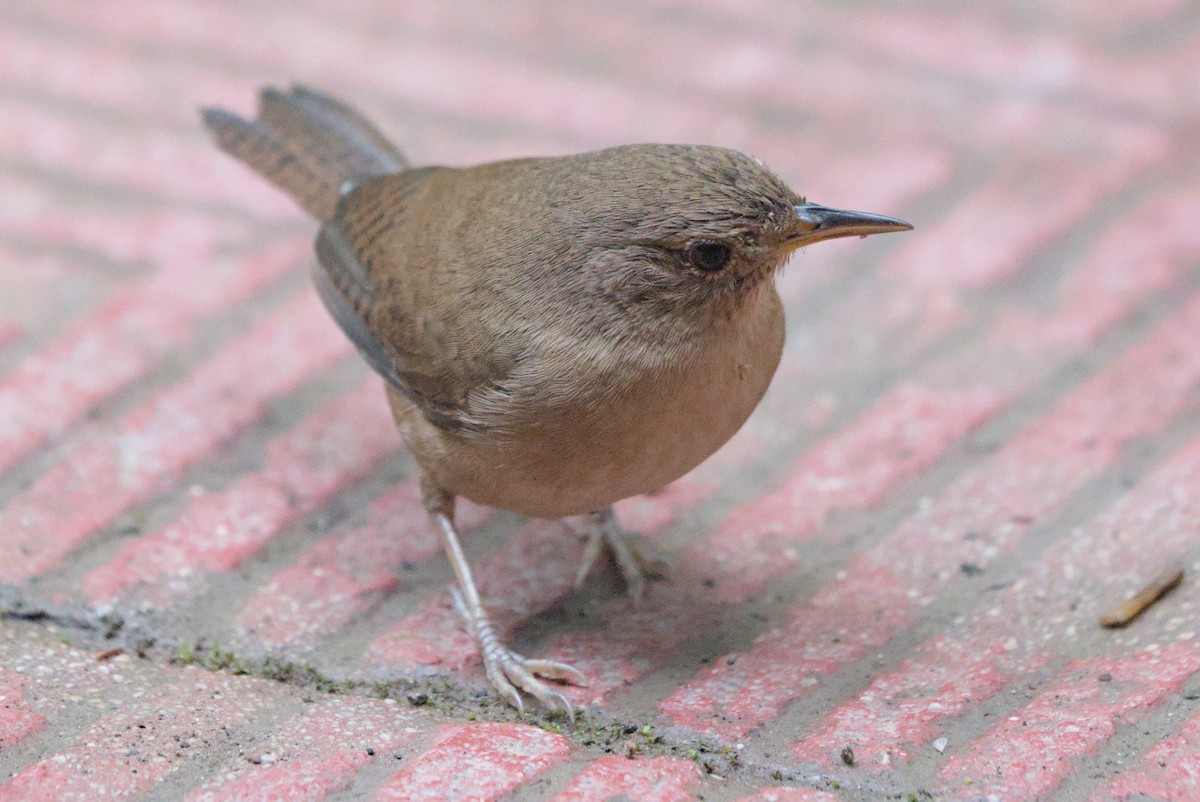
{"x":556,"y":334}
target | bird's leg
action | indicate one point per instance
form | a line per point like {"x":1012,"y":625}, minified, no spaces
{"x":506,"y":669}
{"x":601,"y":529}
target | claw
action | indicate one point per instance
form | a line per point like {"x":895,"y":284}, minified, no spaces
{"x":602,"y":530}
{"x":509,"y":672}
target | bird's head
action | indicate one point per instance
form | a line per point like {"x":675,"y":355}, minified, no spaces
{"x":685,"y":227}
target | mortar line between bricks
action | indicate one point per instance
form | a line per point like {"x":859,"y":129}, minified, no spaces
{"x":705,"y":18}
{"x":1056,"y":253}
{"x":354,"y":639}
{"x":1063,"y":383}
{"x":221,"y":468}
{"x":617,"y":73}
{"x":965,"y":730}
{"x":853,"y":273}
{"x":1093,"y":772}
{"x":127,"y":197}
{"x":459,"y":122}
{"x":194,"y":54}
{"x":957,"y":458}
{"x":129,"y":274}
{"x":210,"y":337}
{"x":212,"y":613}
{"x":84,"y":262}
{"x":678,"y":527}
{"x":374,"y":775}
{"x":574,"y":136}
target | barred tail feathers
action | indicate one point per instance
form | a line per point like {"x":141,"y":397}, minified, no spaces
{"x":306,"y":143}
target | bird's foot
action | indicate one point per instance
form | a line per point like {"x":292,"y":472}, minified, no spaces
{"x":602,"y":530}
{"x":511,"y":673}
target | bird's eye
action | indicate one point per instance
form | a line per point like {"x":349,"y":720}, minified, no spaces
{"x":708,"y":256}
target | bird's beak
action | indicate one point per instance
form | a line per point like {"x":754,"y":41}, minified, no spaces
{"x":815,"y":223}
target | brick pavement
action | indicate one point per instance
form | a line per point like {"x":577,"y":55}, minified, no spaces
{"x":216,"y":576}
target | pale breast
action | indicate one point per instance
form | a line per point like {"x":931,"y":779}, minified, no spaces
{"x":583,"y":458}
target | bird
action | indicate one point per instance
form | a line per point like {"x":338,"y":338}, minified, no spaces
{"x":554,"y":334}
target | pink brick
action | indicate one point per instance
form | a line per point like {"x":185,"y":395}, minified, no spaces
{"x":477,"y":762}
{"x":9,"y":333}
{"x":1045,"y":64}
{"x":175,"y":243}
{"x":112,"y":467}
{"x":631,"y":641}
{"x":741,"y":557}
{"x":789,"y":795}
{"x":1031,"y":752}
{"x":979,"y":656}
{"x":346,"y":574}
{"x":991,"y":235}
{"x":120,"y":158}
{"x":1158,"y":236}
{"x":881,"y":590}
{"x":446,"y":78}
{"x":107,"y":349}
{"x":46,"y":284}
{"x":156,"y":87}
{"x":659,"y":778}
{"x":1170,"y":770}
{"x":334,"y":446}
{"x":523,"y":577}
{"x":128,"y":753}
{"x":907,"y":706}
{"x":317,"y":754}
{"x":17,"y":717}
{"x":897,"y":438}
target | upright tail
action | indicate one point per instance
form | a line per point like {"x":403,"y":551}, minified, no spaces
{"x":306,"y":143}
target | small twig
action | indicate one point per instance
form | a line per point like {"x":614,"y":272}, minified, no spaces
{"x":1128,"y":610}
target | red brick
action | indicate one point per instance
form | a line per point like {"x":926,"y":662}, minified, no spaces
{"x":523,"y":577}
{"x":1157,"y":236}
{"x":178,"y":243}
{"x":1031,"y":752}
{"x":9,"y":333}
{"x":657,"y":778}
{"x":446,"y":79}
{"x":334,"y":446}
{"x":992,"y":52}
{"x":477,"y":762}
{"x":898,"y":437}
{"x":17,"y":717}
{"x":1046,"y":65}
{"x":1170,"y":770}
{"x":789,"y":795}
{"x":347,"y":573}
{"x":317,"y":754}
{"x":978,"y":655}
{"x":991,"y":235}
{"x":112,"y":467}
{"x":881,"y":591}
{"x":741,"y":556}
{"x":129,"y":752}
{"x":946,"y":678}
{"x":37,"y":287}
{"x":106,"y":350}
